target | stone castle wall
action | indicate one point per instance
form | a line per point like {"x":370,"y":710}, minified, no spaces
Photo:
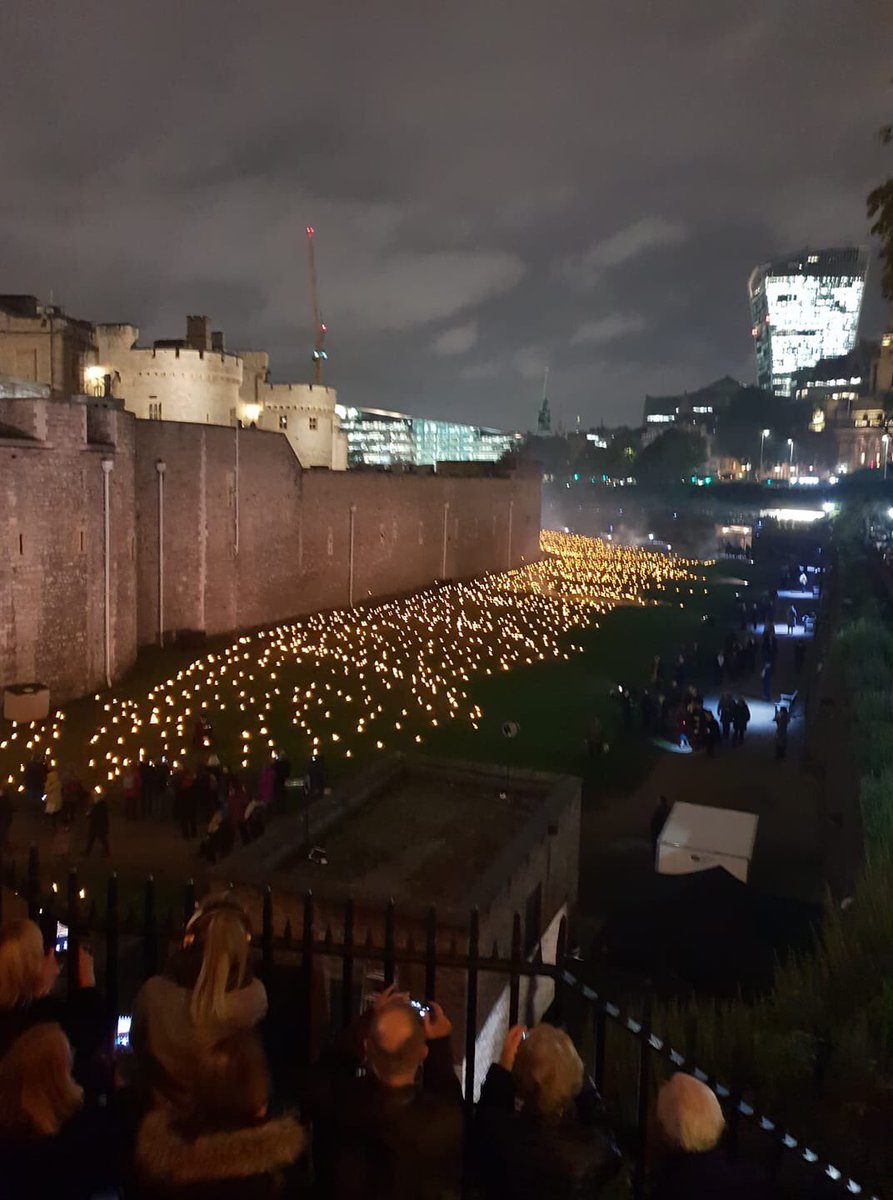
{"x":52,"y":577}
{"x":249,"y":537}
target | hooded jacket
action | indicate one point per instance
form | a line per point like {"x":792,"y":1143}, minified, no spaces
{"x":256,"y":1162}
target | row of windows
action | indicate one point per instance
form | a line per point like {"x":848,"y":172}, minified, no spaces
{"x":312,"y":421}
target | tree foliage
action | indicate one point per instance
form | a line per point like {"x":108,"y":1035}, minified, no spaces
{"x":671,"y":458}
{"x":880,"y":213}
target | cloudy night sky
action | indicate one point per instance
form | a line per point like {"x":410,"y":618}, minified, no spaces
{"x":495,"y":186}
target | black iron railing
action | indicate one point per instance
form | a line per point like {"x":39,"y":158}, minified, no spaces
{"x":652,"y":1054}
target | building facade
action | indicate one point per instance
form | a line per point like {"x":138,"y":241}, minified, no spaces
{"x":804,"y":308}
{"x":41,"y":344}
{"x":376,"y":438}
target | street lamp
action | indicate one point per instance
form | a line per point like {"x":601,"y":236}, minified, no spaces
{"x":886,"y":440}
{"x":764,"y":433}
{"x":790,"y":458}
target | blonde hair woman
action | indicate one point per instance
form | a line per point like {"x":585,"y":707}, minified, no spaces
{"x":28,"y":974}
{"x":205,"y":996}
{"x":49,"y":1144}
{"x":540,"y":1123}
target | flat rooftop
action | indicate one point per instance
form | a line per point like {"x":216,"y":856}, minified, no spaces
{"x":421,"y":833}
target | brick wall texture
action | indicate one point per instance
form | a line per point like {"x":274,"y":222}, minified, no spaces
{"x":249,"y":538}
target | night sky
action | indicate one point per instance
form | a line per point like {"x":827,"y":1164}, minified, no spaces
{"x":495,"y":185}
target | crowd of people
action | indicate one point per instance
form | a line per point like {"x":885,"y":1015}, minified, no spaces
{"x":187,"y":1111}
{"x":204,"y":798}
{"x":671,"y":706}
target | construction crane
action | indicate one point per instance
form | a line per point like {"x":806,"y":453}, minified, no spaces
{"x":319,"y":328}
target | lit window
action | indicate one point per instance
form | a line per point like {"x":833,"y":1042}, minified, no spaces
{"x":283,"y":420}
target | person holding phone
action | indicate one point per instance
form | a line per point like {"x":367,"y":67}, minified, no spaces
{"x":29,"y":970}
{"x":540,"y":1129}
{"x":394,"y":1130}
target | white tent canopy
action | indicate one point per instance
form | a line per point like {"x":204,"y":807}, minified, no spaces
{"x":697,"y":838}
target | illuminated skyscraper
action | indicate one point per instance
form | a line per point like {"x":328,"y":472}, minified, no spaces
{"x":804,"y":308}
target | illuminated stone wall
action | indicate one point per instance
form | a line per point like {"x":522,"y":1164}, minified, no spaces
{"x":52,"y":603}
{"x":291,"y":553}
{"x":249,"y":537}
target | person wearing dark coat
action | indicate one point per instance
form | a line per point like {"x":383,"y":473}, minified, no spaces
{"x":726,"y":713}
{"x":51,"y":1144}
{"x":740,"y":720}
{"x":226,"y":1146}
{"x":693,"y":1165}
{"x":98,"y":825}
{"x":540,"y":1131}
{"x":394,"y":1133}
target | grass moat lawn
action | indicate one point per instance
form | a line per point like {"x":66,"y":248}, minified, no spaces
{"x":437,"y":673}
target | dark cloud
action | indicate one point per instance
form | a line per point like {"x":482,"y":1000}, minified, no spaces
{"x":496,"y":184}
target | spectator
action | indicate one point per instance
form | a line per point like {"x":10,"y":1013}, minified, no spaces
{"x":98,"y":824}
{"x":282,"y":774}
{"x":28,"y":974}
{"x":712,"y":736}
{"x":148,"y":787}
{"x":691,"y":1124}
{"x":35,"y":778}
{"x":396,"y":1132}
{"x":740,"y":720}
{"x":187,"y":804}
{"x":726,"y":712}
{"x":782,"y":719}
{"x":540,"y":1128}
{"x":131,"y":788}
{"x":226,"y":1146}
{"x":205,"y":996}
{"x":53,"y":806}
{"x":792,"y":619}
{"x":50,"y":1144}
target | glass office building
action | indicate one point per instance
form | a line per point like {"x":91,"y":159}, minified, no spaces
{"x":376,"y":438}
{"x":804,"y":308}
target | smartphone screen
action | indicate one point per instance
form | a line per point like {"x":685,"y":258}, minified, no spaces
{"x":122,"y":1033}
{"x":61,"y":937}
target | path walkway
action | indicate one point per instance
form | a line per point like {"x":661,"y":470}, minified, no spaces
{"x":617,"y":857}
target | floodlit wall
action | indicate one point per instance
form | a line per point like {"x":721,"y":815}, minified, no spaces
{"x":249,"y":538}
{"x":52,"y":595}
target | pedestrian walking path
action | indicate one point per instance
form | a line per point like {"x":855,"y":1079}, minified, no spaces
{"x":617,"y":852}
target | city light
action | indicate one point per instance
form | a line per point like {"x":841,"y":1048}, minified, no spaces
{"x":369,"y":680}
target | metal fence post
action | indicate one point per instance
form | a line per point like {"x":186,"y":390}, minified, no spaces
{"x":642,"y":1099}
{"x":347,"y":967}
{"x":32,"y":885}
{"x":111,"y":944}
{"x":515,"y":976}
{"x":431,"y":955}
{"x":307,"y":979}
{"x":388,"y":963}
{"x":266,"y":936}
{"x":150,"y":931}
{"x":73,"y":918}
